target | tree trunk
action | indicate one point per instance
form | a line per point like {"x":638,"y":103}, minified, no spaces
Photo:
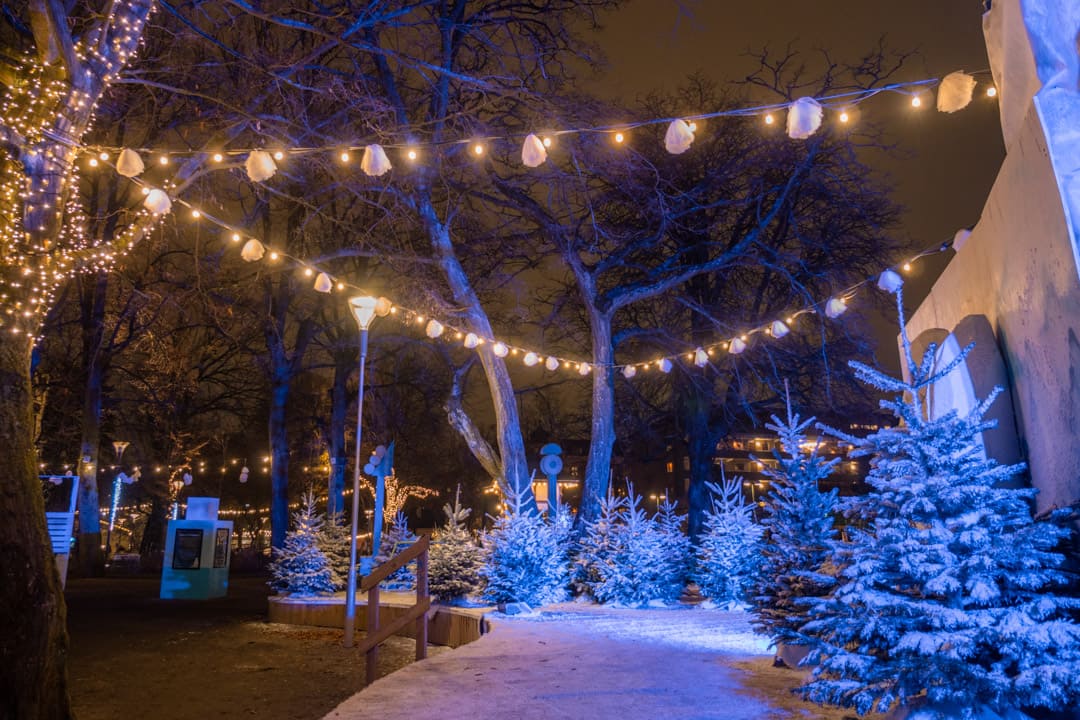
{"x":344,"y":362}
{"x":602,"y":437}
{"x":511,"y":444}
{"x":90,"y":560}
{"x":33,"y":636}
{"x":279,"y":460}
{"x":701,"y":449}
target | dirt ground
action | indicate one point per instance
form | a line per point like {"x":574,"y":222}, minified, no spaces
{"x":134,"y":655}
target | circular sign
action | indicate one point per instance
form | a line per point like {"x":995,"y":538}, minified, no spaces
{"x":550,"y":464}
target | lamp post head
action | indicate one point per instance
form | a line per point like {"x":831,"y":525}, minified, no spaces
{"x":363,"y":309}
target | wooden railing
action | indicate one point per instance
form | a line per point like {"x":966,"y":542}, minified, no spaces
{"x":417,"y":613}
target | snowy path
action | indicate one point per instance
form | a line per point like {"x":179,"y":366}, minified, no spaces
{"x":579,"y":661}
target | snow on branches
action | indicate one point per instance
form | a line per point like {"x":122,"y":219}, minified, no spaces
{"x":300,"y":568}
{"x":729,"y":553}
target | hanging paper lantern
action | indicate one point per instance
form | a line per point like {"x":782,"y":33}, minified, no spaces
{"x":665,"y":365}
{"x":157,"y":202}
{"x":253,"y":250}
{"x":434,"y":329}
{"x":533,"y":152}
{"x":500,"y":349}
{"x":552,"y":363}
{"x":129,"y":164}
{"x":835,"y":307}
{"x":679,"y":137}
{"x":323,"y":283}
{"x":187,"y":478}
{"x":260,"y":165}
{"x":890,"y":281}
{"x":244,"y":475}
{"x":375,"y":162}
{"x":471,"y":340}
{"x":803,"y":118}
{"x":531,"y":359}
{"x":629,"y":371}
{"x":738,"y":345}
{"x":701,"y":358}
{"x":584,"y":369}
{"x":779,"y":329}
{"x":955,"y":92}
{"x":383,"y":306}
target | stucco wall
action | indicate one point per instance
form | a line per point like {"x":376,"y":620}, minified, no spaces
{"x":1017,"y":269}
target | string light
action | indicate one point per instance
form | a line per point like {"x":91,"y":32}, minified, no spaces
{"x":991,"y":91}
{"x":916,"y":101}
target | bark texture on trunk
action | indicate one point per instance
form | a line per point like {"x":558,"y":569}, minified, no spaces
{"x":344,"y":363}
{"x":33,"y":634}
{"x":701,"y":449}
{"x":602,"y":437}
{"x":279,"y":462}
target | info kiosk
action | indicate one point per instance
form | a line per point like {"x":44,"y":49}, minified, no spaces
{"x":197,"y":553}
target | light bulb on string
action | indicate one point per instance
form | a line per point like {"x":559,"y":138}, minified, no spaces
{"x":619,"y":138}
{"x":769,"y":119}
{"x":991,"y":91}
{"x":916,"y":101}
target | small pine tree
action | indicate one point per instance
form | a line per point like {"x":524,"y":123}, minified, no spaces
{"x":798,"y":535}
{"x":334,"y":543}
{"x":728,"y":552}
{"x":455,"y":558}
{"x":396,"y":538}
{"x":675,"y":548}
{"x":525,"y":557}
{"x":946,"y":601}
{"x":300,"y":568}
{"x":625,"y":557}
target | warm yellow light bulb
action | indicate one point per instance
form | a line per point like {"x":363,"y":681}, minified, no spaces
{"x":844,"y":117}
{"x":94,"y":163}
{"x":344,"y":157}
{"x":478,"y":149}
{"x":164,"y":160}
{"x":991,"y":91}
{"x":196,"y":214}
{"x":411,"y":154}
{"x":218,"y":157}
{"x":104,"y":156}
{"x":547,"y":142}
{"x":769,"y":119}
{"x":279,"y":155}
{"x":619,"y":137}
{"x":907,"y":267}
{"x":916,"y":102}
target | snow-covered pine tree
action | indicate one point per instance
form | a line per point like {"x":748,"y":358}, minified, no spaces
{"x":525,"y":557}
{"x":947,"y":600}
{"x":626,"y":557}
{"x":334,"y":543}
{"x":675,"y":546}
{"x":728,"y":554}
{"x":396,"y":538}
{"x":300,"y":568}
{"x":455,"y":557}
{"x":798,"y":534}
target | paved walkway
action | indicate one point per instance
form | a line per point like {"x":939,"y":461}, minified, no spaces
{"x":575,"y":661}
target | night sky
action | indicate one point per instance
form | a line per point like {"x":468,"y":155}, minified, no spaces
{"x":945,"y":164}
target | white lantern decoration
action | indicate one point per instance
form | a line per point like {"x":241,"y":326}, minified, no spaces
{"x":890,"y":281}
{"x":955,"y":92}
{"x":531,"y":359}
{"x":701,"y":358}
{"x":803,"y":118}
{"x":835,"y":307}
{"x":552,"y":363}
{"x":157,"y":202}
{"x":778,"y":329}
{"x":665,"y":365}
{"x":629,"y":371}
{"x":500,"y":349}
{"x":434,"y":329}
{"x":738,"y":345}
{"x":679,"y":137}
{"x":533,"y":152}
{"x":375,"y":162}
{"x":253,"y":250}
{"x":323,"y":283}
{"x":244,"y":475}
{"x":471,"y":340}
{"x":584,"y":369}
{"x":383,"y":307}
{"x":187,"y":478}
{"x":260,"y":165}
{"x":129,"y":164}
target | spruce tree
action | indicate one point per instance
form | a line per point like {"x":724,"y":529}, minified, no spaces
{"x":728,"y":552}
{"x":525,"y":556}
{"x":299,"y":567}
{"x":675,"y":548}
{"x":947,"y":600}
{"x":334,"y":543}
{"x":455,"y":558}
{"x":798,"y":534}
{"x":395,"y":538}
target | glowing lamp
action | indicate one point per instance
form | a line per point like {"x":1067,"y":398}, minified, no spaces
{"x":363,"y":309}
{"x":533,"y":153}
{"x":375,"y":162}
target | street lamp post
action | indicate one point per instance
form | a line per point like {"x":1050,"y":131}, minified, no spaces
{"x":363,"y":309}
{"x":118,"y":446}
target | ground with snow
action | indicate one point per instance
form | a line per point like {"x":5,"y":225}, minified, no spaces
{"x":585,"y":661}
